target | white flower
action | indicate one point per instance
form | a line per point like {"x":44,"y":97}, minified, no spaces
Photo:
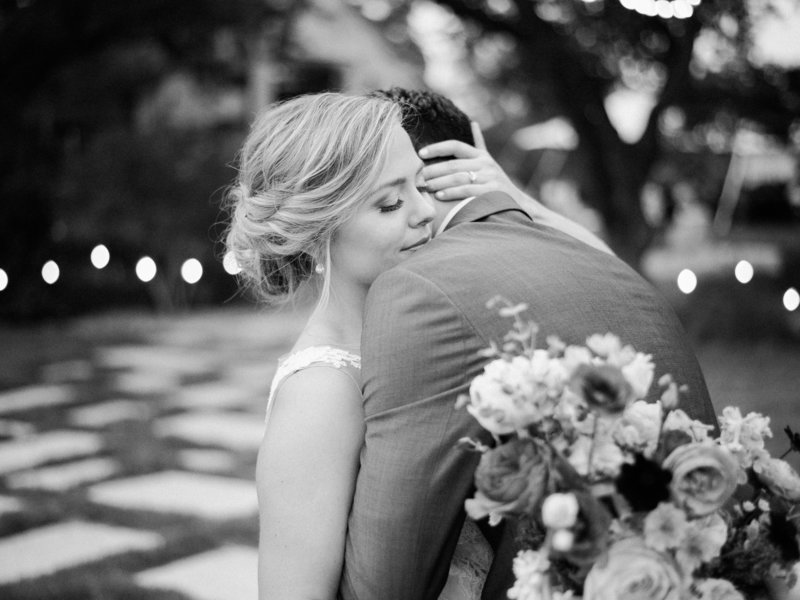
{"x":639,"y":373}
{"x":779,"y":476}
{"x":560,"y":511}
{"x":717,"y":589}
{"x":743,"y":436}
{"x":575,"y":356}
{"x":607,"y":457}
{"x":562,"y":540}
{"x":703,"y":540}
{"x":680,"y":421}
{"x":639,"y":427}
{"x":604,"y":345}
{"x":665,"y":527}
{"x":502,"y":397}
{"x":530,"y":573}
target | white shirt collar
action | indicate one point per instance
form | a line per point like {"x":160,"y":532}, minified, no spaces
{"x":453,"y":211}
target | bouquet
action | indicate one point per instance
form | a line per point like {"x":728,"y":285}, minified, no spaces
{"x":616,"y":498}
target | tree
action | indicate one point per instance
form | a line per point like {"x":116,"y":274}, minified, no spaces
{"x":570,"y":54}
{"x":74,"y":74}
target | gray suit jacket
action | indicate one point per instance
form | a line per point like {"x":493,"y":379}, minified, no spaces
{"x":425,"y":322}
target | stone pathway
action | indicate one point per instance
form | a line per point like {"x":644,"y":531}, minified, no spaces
{"x":132,"y":467}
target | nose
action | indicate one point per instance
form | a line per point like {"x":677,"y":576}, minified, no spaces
{"x":424,"y":211}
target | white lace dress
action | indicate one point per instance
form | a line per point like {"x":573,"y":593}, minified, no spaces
{"x":473,"y":555}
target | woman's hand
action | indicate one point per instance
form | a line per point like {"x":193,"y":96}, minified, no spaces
{"x":471,"y":172}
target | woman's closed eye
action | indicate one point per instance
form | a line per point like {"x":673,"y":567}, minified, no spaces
{"x":392,"y":207}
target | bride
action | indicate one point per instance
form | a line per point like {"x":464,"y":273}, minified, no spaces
{"x":330,"y":192}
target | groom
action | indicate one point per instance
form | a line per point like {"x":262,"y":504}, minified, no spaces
{"x":424,"y":325}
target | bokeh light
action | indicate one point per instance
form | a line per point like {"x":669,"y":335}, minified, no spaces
{"x":50,"y":272}
{"x":3,"y":280}
{"x":191,"y":270}
{"x":687,"y":281}
{"x":100,"y":256}
{"x":791,"y":299}
{"x":146,"y":269}
{"x":230,"y":265}
{"x":743,"y":271}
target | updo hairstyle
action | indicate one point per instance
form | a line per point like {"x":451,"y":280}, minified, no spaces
{"x":304,"y":168}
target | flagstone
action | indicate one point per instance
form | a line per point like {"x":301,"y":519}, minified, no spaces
{"x":227,"y":573}
{"x":35,"y":396}
{"x":201,"y":495}
{"x":111,"y":411}
{"x":59,"y":478}
{"x":198,"y":459}
{"x":68,"y":370}
{"x":212,"y":395}
{"x":48,"y":549}
{"x":9,"y":504}
{"x":156,"y":358}
{"x":53,"y":445}
{"x":237,"y":431}
{"x":256,"y":376}
{"x":142,"y":382}
{"x":15,"y":429}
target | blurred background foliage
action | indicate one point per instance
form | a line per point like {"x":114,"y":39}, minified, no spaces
{"x":120,"y":122}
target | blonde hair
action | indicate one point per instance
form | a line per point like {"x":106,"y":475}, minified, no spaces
{"x":304,"y":168}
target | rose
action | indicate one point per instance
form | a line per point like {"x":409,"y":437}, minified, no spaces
{"x":704,"y":476}
{"x":511,"y":479}
{"x":779,"y":476}
{"x":632,"y":571}
{"x":603,"y":387}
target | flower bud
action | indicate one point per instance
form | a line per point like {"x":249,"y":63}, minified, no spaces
{"x":559,"y":511}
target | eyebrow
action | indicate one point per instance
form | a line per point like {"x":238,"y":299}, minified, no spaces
{"x":377,"y":194}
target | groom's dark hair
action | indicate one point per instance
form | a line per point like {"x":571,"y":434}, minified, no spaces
{"x":429,"y":117}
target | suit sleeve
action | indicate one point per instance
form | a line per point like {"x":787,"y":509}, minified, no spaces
{"x":407,"y":513}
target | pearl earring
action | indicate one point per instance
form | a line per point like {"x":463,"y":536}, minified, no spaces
{"x":319,"y":269}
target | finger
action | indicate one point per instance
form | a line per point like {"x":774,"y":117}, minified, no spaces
{"x":448,"y":148}
{"x":477,"y":136}
{"x":452,"y":180}
{"x":450,"y":167}
{"x":460,"y":192}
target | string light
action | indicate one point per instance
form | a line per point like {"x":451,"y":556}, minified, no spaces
{"x":230,"y":264}
{"x":743,"y":271}
{"x":666,"y":9}
{"x":100,"y":256}
{"x":3,"y":280}
{"x":687,"y":281}
{"x":146,"y":269}
{"x":50,"y":272}
{"x":791,"y":299}
{"x":191,"y":271}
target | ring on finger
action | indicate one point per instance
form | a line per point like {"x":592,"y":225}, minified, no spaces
{"x":472,"y":176}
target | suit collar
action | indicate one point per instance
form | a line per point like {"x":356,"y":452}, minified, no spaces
{"x":483,"y":206}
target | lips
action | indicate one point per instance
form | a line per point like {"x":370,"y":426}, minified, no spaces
{"x":423,"y":241}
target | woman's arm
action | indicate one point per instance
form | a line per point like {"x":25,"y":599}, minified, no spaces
{"x":449,"y":180}
{"x":305,"y":475}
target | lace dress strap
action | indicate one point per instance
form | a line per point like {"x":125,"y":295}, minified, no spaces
{"x":337,"y":358}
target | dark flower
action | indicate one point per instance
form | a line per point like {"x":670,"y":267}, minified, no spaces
{"x":644,"y":484}
{"x":603,"y":387}
{"x":783,"y":533}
